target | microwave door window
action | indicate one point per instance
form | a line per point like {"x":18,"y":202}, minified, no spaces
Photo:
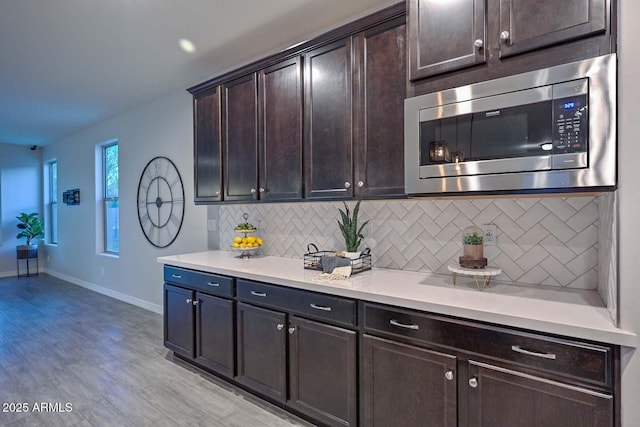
{"x":444,"y":140}
{"x":520,"y":131}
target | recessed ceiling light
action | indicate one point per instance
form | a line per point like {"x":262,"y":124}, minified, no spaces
{"x":187,"y":45}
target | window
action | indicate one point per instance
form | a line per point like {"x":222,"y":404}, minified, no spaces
{"x":52,"y":218}
{"x":111,"y":202}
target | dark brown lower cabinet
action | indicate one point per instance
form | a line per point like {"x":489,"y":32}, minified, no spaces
{"x":339,"y":362}
{"x":501,"y":397}
{"x":214,"y":333}
{"x":407,"y":386}
{"x":178,"y":320}
{"x":323,"y":372}
{"x":200,"y":327}
{"x":262,"y":356}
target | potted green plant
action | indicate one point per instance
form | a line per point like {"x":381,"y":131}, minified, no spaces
{"x":350,"y":231}
{"x":473,"y":248}
{"x":31,"y":227}
{"x":473,"y":245}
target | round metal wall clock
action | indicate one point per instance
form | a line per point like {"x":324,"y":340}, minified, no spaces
{"x":160,"y":202}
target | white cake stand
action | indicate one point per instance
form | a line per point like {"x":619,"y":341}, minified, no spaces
{"x":486,"y":274}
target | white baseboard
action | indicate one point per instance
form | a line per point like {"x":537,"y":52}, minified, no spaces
{"x":138,"y":302}
{"x":8,"y":273}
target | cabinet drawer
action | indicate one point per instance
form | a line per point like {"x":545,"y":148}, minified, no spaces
{"x":200,"y":281}
{"x":581,"y":361}
{"x":316,"y":305}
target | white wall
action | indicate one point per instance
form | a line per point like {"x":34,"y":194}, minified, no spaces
{"x":162,"y":128}
{"x":629,"y":201}
{"x":20,"y":189}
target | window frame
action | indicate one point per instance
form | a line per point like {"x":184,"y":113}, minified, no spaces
{"x":106,"y":199}
{"x":52,"y":223}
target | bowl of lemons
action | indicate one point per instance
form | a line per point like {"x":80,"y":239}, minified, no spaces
{"x":247,"y":242}
{"x":245,"y":245}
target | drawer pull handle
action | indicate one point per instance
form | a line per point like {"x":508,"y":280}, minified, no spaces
{"x":213,"y":284}
{"x":519,"y":349}
{"x":259,"y":294}
{"x":321,"y":307}
{"x":176,"y":276}
{"x":404,"y":325}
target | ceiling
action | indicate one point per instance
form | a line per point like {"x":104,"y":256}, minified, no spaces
{"x":68,"y":64}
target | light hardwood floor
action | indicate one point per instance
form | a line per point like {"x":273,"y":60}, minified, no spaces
{"x":62,"y":344}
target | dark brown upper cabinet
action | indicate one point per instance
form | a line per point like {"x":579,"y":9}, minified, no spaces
{"x":280,"y":141}
{"x":240,"y":137}
{"x":380,"y":54}
{"x":329,"y":121}
{"x":322,"y":120}
{"x":445,"y":36}
{"x":529,"y":25}
{"x":207,"y":146}
{"x":354,"y":116}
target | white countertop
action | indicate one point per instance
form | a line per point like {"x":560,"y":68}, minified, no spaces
{"x":578,"y":314}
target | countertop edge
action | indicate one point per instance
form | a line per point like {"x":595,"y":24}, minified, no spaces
{"x":607,"y":334}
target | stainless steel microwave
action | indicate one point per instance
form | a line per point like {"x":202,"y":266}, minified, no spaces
{"x":546,"y":130}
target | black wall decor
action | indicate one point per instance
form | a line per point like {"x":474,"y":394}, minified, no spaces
{"x":71,"y":197}
{"x":160,"y":202}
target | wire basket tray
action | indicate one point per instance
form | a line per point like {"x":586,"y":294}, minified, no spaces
{"x":313,"y":260}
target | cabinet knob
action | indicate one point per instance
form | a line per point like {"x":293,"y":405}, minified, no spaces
{"x":360,"y":184}
{"x":280,"y":326}
{"x":292,"y":330}
{"x":478,"y":43}
{"x":262,"y":190}
{"x":253,"y":191}
{"x":189,"y":301}
{"x":504,"y":36}
{"x":347,"y":184}
{"x":449,"y":375}
{"x":217,"y":193}
{"x":473,"y":382}
{"x":196,"y":301}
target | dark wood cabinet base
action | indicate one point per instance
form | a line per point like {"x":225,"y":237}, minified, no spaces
{"x":336,"y":361}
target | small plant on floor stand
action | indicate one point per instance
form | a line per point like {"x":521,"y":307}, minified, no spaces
{"x":31,"y":228}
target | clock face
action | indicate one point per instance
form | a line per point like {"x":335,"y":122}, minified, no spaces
{"x":160,"y":202}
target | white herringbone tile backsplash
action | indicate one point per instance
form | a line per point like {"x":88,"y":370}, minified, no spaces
{"x":548,"y":241}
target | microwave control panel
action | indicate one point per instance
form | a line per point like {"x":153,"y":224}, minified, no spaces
{"x":571,"y":126}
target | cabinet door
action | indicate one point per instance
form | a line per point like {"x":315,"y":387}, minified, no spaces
{"x":531,"y":24}
{"x":328,"y":121}
{"x":262,"y":356}
{"x":500,"y":397}
{"x":178,"y":320}
{"x":323,"y":371}
{"x":207,"y":146}
{"x":214,"y":333}
{"x":381,"y":93}
{"x":445,"y":36}
{"x":240,"y":123}
{"x":281,"y":131}
{"x":407,"y":386}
